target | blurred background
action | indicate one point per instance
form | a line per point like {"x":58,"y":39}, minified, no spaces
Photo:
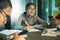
{"x":44,"y":8}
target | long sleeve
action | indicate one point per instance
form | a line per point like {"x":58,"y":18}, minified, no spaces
{"x":20,"y":20}
{"x":40,"y":22}
{"x":43,"y":23}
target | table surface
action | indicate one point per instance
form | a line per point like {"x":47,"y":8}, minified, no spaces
{"x":37,"y":36}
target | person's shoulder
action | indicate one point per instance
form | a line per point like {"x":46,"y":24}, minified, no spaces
{"x":24,"y":13}
{"x":21,"y":15}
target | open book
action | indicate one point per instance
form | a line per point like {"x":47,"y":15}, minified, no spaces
{"x":9,"y":32}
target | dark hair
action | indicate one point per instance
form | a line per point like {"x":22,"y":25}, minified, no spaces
{"x":4,"y":4}
{"x":23,"y":32}
{"x":28,"y":4}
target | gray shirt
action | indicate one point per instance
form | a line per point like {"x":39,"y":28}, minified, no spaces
{"x":35,"y":21}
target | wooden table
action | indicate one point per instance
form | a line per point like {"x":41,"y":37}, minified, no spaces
{"x":37,"y":36}
{"x":34,"y":36}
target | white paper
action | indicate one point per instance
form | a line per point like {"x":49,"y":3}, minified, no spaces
{"x":34,"y":30}
{"x":49,"y":32}
{"x":8,"y":32}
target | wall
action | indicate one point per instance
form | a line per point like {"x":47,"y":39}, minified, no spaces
{"x":54,"y":8}
{"x":17,"y":9}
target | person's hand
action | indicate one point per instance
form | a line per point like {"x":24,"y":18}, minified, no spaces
{"x":16,"y":34}
{"x":29,"y":27}
{"x":11,"y":37}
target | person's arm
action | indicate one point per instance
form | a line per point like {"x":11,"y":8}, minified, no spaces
{"x":19,"y":20}
{"x":41,"y":23}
